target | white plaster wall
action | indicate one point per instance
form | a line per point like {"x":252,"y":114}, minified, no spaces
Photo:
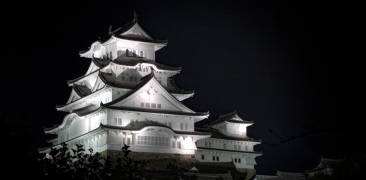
{"x":247,"y":160}
{"x":116,"y":138}
{"x":97,"y":141}
{"x":229,"y":144}
{"x":82,"y":125}
{"x":124,"y":74}
{"x":236,"y":130}
{"x":148,"y":49}
{"x":232,"y":129}
{"x":172,"y":121}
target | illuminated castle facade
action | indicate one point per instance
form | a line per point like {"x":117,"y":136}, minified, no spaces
{"x":126,"y":97}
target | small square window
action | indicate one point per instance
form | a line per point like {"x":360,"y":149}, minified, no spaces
{"x":153,"y":105}
{"x":159,"y":106}
{"x":147,"y":105}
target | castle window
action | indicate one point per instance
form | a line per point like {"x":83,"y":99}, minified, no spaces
{"x":181,"y":126}
{"x":239,"y":160}
{"x":159,"y":106}
{"x":179,"y":145}
{"x":153,"y":105}
{"x":147,"y":105}
{"x":127,"y":52}
{"x":119,"y":121}
{"x":217,"y":158}
{"x":186,"y":126}
{"x":119,"y":53}
{"x":203,"y":157}
{"x":142,"y":104}
{"x":213,"y":158}
{"x":235,"y":160}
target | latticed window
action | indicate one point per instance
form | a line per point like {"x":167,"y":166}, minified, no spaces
{"x":153,"y":140}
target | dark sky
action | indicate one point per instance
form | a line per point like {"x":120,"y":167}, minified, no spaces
{"x":276,"y":63}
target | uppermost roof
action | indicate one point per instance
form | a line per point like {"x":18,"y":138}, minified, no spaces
{"x":131,"y":31}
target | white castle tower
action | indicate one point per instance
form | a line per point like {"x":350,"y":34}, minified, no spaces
{"x":228,"y":142}
{"x":126,"y":97}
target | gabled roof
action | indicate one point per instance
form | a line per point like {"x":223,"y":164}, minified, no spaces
{"x":133,"y":31}
{"x":231,"y":117}
{"x":146,"y":84}
{"x":101,"y":63}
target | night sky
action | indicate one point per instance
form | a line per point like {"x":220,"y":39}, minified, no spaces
{"x":276,"y":63}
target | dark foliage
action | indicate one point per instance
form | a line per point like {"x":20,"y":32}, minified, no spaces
{"x":78,"y":164}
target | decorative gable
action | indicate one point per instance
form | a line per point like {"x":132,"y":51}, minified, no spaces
{"x":151,"y":95}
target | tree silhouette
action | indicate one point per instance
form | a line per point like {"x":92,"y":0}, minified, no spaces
{"x":77,"y":164}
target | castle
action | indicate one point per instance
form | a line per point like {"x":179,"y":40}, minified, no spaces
{"x":127,"y":97}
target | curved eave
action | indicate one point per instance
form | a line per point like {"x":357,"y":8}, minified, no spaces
{"x":178,"y":113}
{"x":174,"y":70}
{"x":229,"y":150}
{"x":238,"y":139}
{"x":156,"y":125}
{"x":156,"y":66}
{"x":71,"y":82}
{"x":52,"y":130}
{"x":62,"y":107}
{"x":248,"y":123}
{"x":46,"y":149}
